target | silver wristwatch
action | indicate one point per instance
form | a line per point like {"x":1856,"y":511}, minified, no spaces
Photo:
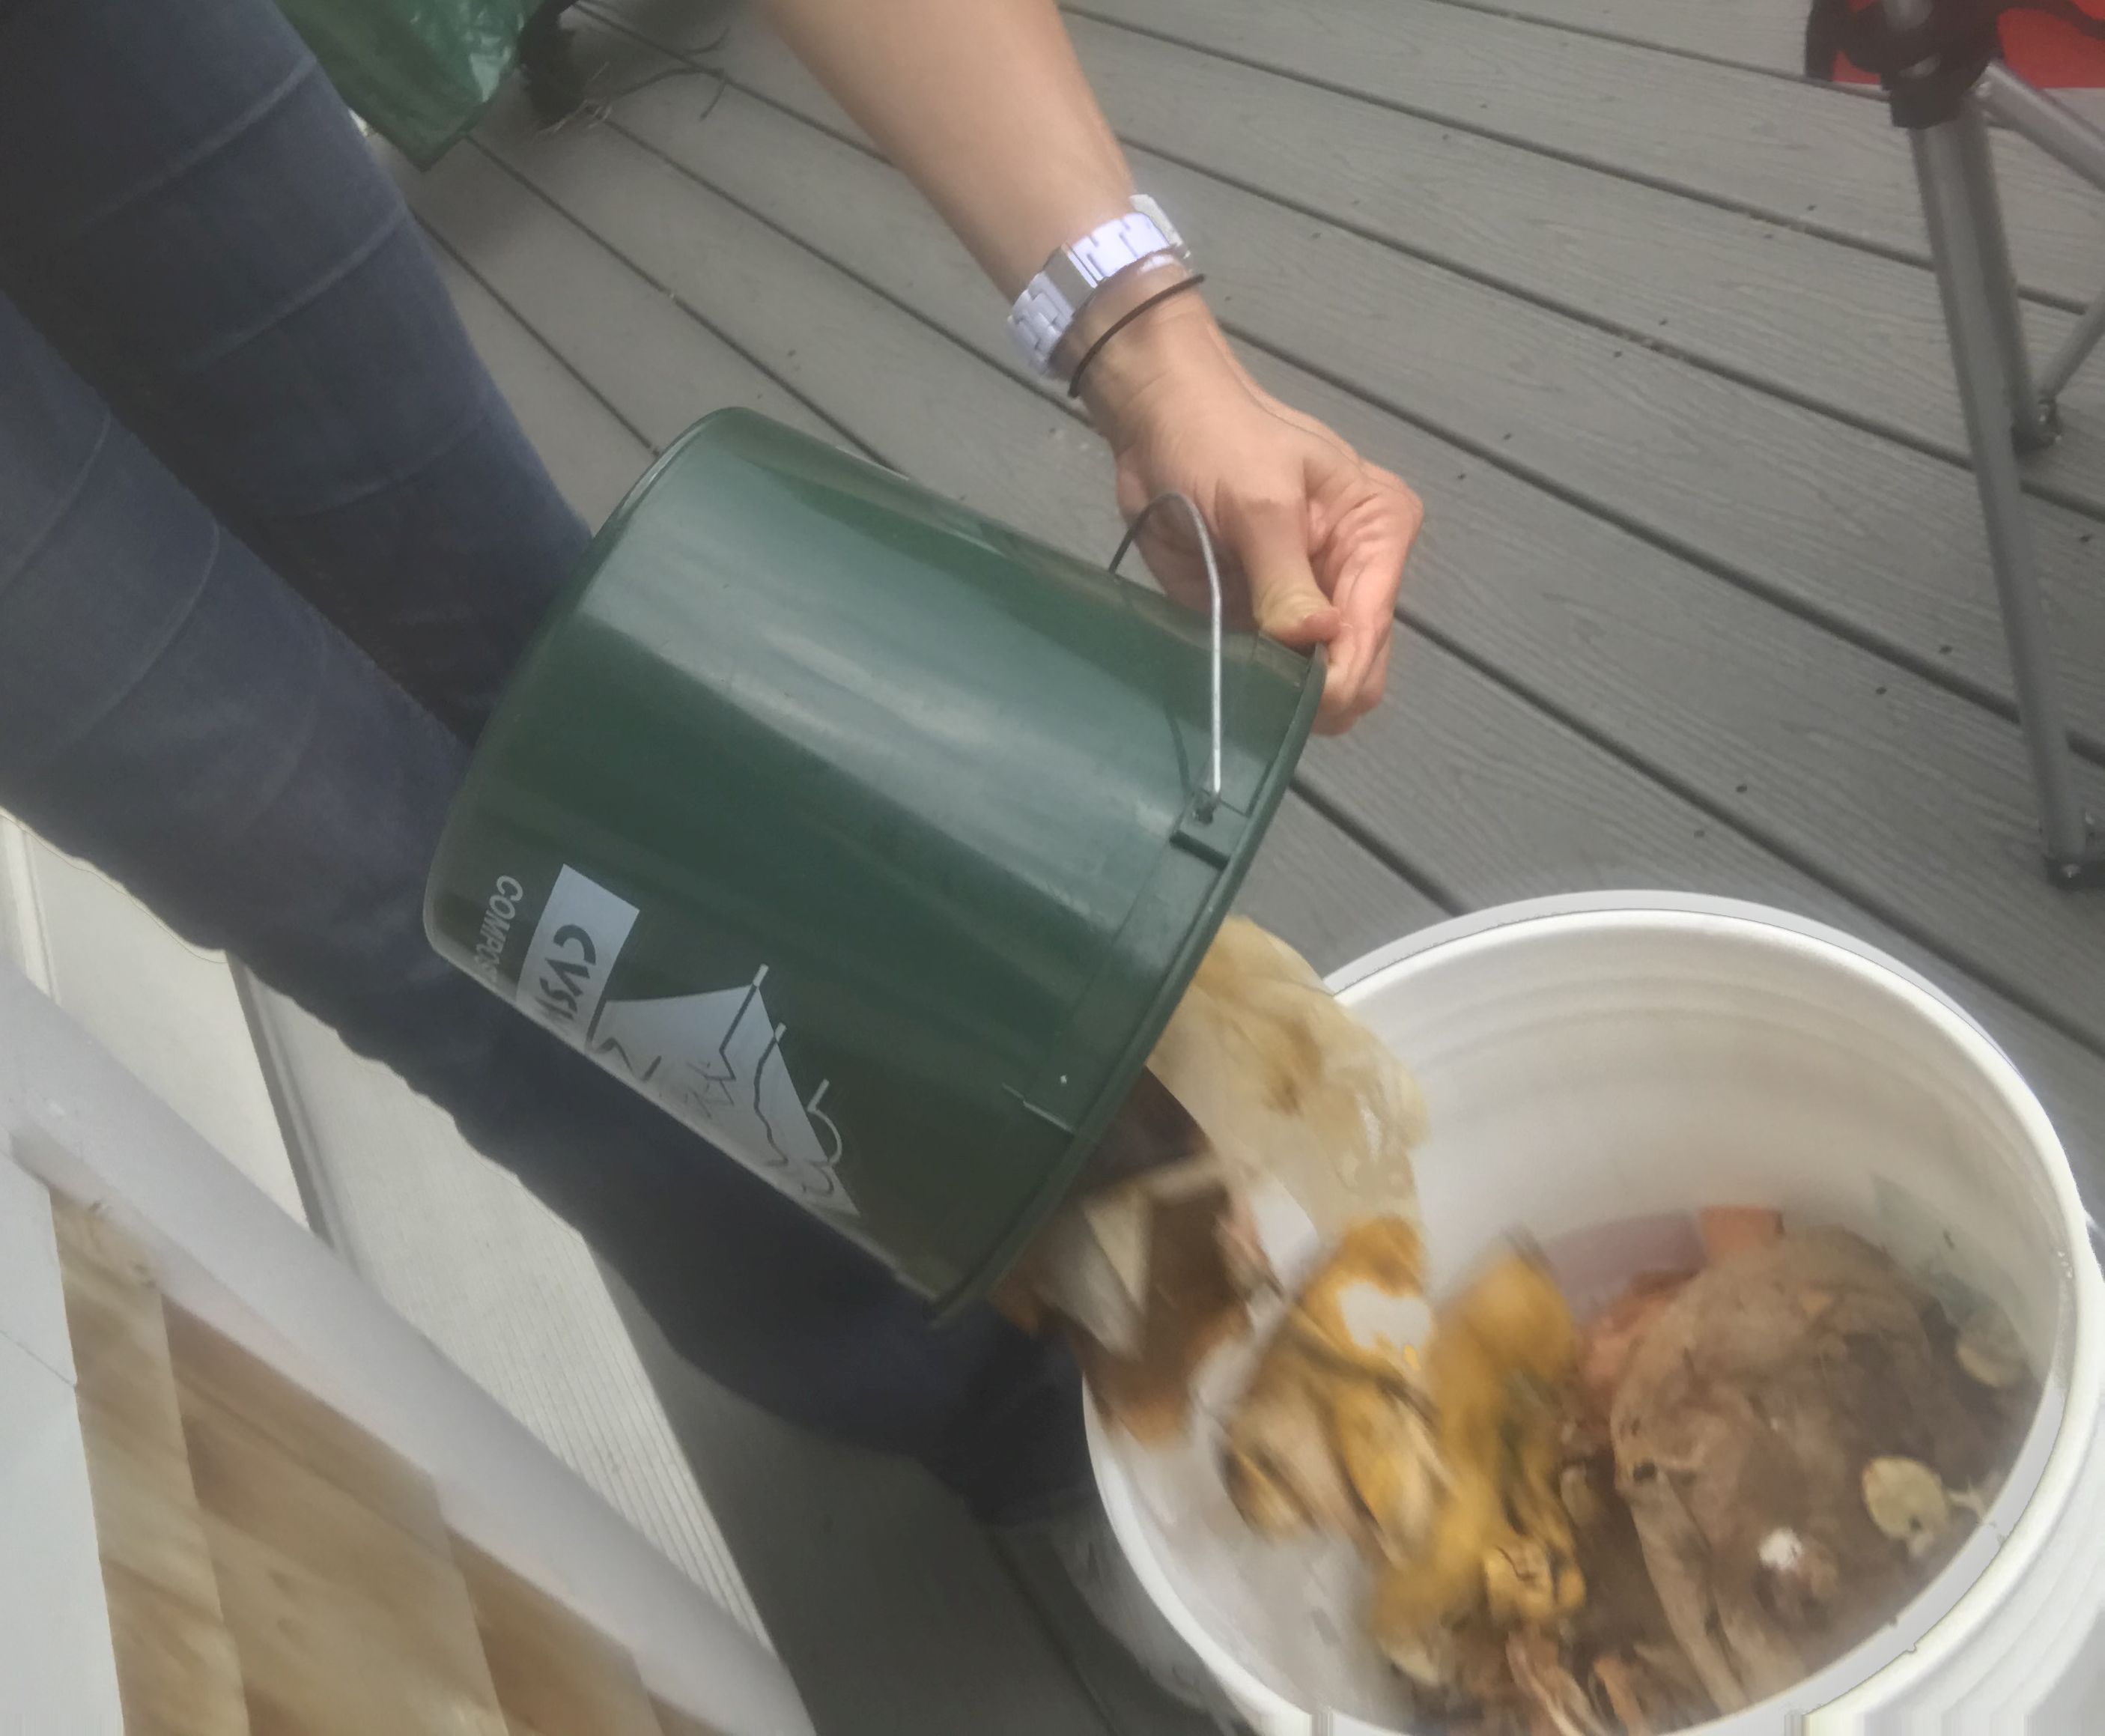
{"x":1054,"y":300}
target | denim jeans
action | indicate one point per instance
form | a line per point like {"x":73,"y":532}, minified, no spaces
{"x":270,"y":541}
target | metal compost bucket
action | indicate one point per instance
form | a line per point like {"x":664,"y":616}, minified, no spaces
{"x":873,"y":840}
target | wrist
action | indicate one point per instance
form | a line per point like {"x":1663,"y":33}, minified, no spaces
{"x":1162,"y":350}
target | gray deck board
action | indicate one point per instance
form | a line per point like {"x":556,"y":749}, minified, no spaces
{"x":638,"y":346}
{"x":1852,"y":528}
{"x":1642,"y":641}
{"x":1719,"y":693}
{"x":591,"y":452}
{"x":1326,"y":895}
{"x":824,"y":337}
{"x":1597,"y":686}
{"x":1797,"y":153}
{"x":1314,"y":886}
{"x":1763,"y":35}
{"x":1857,"y":334}
{"x":1476,"y":790}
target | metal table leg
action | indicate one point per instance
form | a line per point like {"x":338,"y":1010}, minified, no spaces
{"x":1976,"y":354}
{"x":1983,"y":321}
{"x":2031,"y":422}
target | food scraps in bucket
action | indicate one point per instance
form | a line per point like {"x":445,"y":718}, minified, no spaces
{"x":1713,"y":1488}
{"x":1193,"y":1306}
{"x":1270,"y":1121}
{"x":1333,"y":1432}
{"x":1802,"y":1446}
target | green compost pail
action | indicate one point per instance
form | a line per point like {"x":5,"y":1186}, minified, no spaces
{"x":863,"y":834}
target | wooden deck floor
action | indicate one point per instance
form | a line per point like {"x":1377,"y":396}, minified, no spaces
{"x":1704,"y":598}
{"x":1703,"y":602}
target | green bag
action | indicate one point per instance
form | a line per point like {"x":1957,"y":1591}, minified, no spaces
{"x":419,"y":72}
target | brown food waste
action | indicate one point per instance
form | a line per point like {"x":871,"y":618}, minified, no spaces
{"x":1720,"y":1484}
{"x":1715,"y":1486}
{"x":1712,"y":1488}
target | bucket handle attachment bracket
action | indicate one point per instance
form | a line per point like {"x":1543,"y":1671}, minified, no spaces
{"x":1209,"y":796}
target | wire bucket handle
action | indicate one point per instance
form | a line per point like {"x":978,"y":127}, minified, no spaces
{"x":1209,"y":794}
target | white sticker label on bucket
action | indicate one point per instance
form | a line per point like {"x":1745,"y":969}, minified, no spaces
{"x":713,"y":1060}
{"x":581,"y":931}
{"x":716,"y":1061}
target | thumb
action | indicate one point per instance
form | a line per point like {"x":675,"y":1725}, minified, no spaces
{"x":1271,"y":537}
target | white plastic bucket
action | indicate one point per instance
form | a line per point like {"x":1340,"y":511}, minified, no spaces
{"x":1591,"y":1059}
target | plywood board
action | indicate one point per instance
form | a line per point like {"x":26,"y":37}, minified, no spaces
{"x":177,"y":1671}
{"x":469,"y":1257}
{"x":345,"y":1623}
{"x":555,"y":1675}
{"x":146,"y":1505}
{"x":322,"y":1655}
{"x":211,"y":1367}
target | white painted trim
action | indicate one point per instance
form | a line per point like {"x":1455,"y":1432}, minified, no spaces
{"x":508,"y":1291}
{"x":222,"y":1249}
{"x":32,"y":1287}
{"x":170,"y":1012}
{"x":57,"y":1658}
{"x":18,"y":893}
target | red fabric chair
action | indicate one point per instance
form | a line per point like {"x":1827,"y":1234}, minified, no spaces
{"x":2042,"y":46}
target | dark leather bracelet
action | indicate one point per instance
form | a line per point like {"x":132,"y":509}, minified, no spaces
{"x":1124,"y":319}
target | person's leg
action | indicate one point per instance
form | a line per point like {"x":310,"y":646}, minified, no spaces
{"x":170,"y":710}
{"x":284,"y":338}
{"x":191,"y":216}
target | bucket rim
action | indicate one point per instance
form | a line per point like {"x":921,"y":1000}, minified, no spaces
{"x":1903,"y":1650}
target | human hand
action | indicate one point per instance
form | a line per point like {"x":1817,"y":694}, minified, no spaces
{"x":1311,"y":538}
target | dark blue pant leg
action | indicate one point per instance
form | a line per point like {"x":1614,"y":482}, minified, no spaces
{"x":189,"y":215}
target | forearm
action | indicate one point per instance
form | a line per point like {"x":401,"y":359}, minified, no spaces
{"x":983,"y":105}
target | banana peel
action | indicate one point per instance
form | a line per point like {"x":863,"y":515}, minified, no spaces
{"x":1500,"y":1547}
